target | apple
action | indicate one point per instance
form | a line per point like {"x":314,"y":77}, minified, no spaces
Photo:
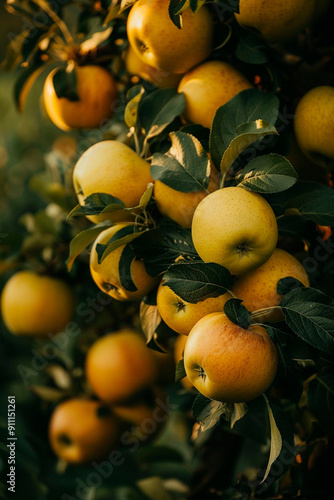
{"x":179,"y":206}
{"x":114,"y":168}
{"x":136,"y":67}
{"x":209,"y":86}
{"x":277,"y":21}
{"x":258,"y":288}
{"x":160,"y":44}
{"x":82,"y":430}
{"x":235,"y":228}
{"x":119,"y":365}
{"x":106,"y":274}
{"x":35,"y":304}
{"x":180,"y":315}
{"x":98,"y":97}
{"x":227,"y":363}
{"x":314,"y":125}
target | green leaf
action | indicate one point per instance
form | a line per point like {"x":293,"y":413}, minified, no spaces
{"x":82,"y":240}
{"x":294,"y":226}
{"x":208,"y":412}
{"x":310,"y":315}
{"x":275,"y":440}
{"x":96,"y":204}
{"x":146,"y":197}
{"x":247,"y":134}
{"x":125,"y":235}
{"x":158,"y":109}
{"x":197,"y":281}
{"x":228,"y":5}
{"x":65,"y":84}
{"x":237,"y":313}
{"x":186,"y":165}
{"x":163,"y":246}
{"x":289,"y":343}
{"x":180,"y":371}
{"x":311,"y":200}
{"x":285,"y":285}
{"x":251,"y":49}
{"x":124,"y":268}
{"x":271,"y":173}
{"x":247,"y":106}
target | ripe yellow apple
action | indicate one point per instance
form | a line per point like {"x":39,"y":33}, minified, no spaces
{"x":314,"y":125}
{"x":160,"y":44}
{"x":179,"y":345}
{"x":235,"y":228}
{"x":35,"y":304}
{"x":106,"y":274}
{"x":162,"y":79}
{"x":97,"y":92}
{"x":227,"y":363}
{"x":277,"y":21}
{"x":178,"y":206}
{"x":82,"y":430}
{"x":119,"y":365}
{"x":257,"y":288}
{"x":180,"y":315}
{"x":114,"y":168}
{"x":209,"y":86}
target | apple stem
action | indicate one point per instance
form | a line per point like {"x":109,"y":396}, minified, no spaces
{"x":56,"y":19}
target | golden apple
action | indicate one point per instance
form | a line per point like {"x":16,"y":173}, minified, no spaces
{"x":119,"y":365}
{"x":276,"y":21}
{"x":36,"y":304}
{"x":209,"y":86}
{"x":106,"y":274}
{"x":162,"y":79}
{"x":82,"y":430}
{"x":314,"y":125}
{"x":180,"y":315}
{"x":258,"y":288}
{"x":235,"y":228}
{"x":160,"y":44}
{"x":114,"y":168}
{"x":179,"y":206}
{"x":97,"y":92}
{"x":227,"y":363}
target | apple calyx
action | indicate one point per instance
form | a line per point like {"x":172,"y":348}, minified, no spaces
{"x":243,"y":250}
{"x":64,"y":440}
{"x":109,"y":286}
{"x":180,"y":306}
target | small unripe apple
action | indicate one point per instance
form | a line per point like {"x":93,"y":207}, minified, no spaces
{"x":227,"y":363}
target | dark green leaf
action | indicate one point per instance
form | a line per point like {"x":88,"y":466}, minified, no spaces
{"x":312,"y":200}
{"x":96,"y":204}
{"x":289,"y":343}
{"x":180,"y":371}
{"x":124,"y":268}
{"x":163,"y":246}
{"x":197,"y":281}
{"x":82,"y":240}
{"x":228,"y":5}
{"x":237,"y":313}
{"x":125,"y":235}
{"x":185,"y":167}
{"x":158,"y":109}
{"x":271,"y":173}
{"x":294,"y":226}
{"x":65,"y":84}
{"x":310,"y":314}
{"x":247,"y":106}
{"x":247,"y":134}
{"x":284,"y":285}
{"x":251,"y":49}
